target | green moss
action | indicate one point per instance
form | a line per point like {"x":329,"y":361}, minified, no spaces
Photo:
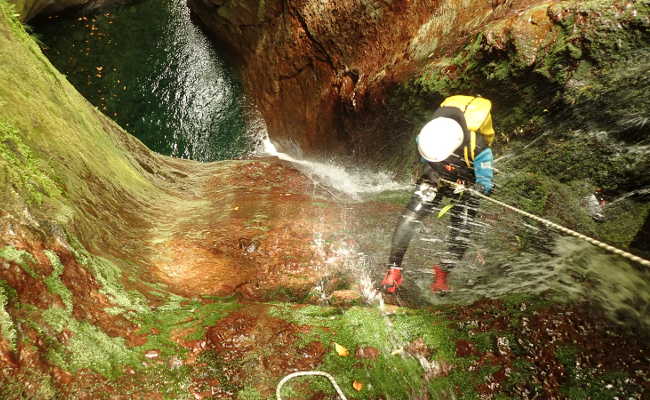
{"x":567,"y":356}
{"x":41,"y":385}
{"x":249,"y":393}
{"x":7,"y":326}
{"x":20,"y":257}
{"x":623,"y":222}
{"x":545,"y":197}
{"x":24,"y":171}
{"x":181,"y":315}
{"x":87,"y":347}
{"x":8,"y":13}
{"x":394,"y":374}
{"x":54,"y":283}
{"x":109,"y":275}
{"x":588,"y":383}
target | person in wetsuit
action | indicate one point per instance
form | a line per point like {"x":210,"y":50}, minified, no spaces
{"x":455,"y":145}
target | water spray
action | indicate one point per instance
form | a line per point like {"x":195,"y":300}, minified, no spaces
{"x":602,"y":245}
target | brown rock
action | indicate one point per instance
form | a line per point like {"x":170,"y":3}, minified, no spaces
{"x":334,"y":63}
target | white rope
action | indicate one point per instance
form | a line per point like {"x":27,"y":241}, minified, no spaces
{"x":568,"y":231}
{"x":309,"y":373}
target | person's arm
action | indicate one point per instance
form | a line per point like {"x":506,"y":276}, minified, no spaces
{"x":429,"y":174}
{"x":483,"y":171}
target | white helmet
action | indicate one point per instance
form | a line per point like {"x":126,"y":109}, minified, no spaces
{"x":439,"y":138}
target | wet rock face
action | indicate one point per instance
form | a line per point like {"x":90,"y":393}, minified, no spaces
{"x":320,"y":70}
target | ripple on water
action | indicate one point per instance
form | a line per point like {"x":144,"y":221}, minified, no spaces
{"x":152,"y":70}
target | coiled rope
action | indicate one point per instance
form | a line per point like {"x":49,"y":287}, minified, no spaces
{"x":308,"y":373}
{"x":612,"y":249}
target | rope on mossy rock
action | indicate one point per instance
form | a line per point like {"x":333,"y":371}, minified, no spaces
{"x":309,"y":373}
{"x":568,"y":231}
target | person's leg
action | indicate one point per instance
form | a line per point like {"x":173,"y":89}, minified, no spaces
{"x":424,"y":199}
{"x":462,"y":218}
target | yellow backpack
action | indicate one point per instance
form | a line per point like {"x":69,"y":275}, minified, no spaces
{"x":477,"y":116}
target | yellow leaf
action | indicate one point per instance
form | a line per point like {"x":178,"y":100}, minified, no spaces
{"x":444,"y":210}
{"x":357,"y":386}
{"x":342,"y":351}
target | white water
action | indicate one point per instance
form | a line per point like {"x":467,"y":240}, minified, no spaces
{"x":353,"y":183}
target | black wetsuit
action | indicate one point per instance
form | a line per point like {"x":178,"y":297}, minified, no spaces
{"x":427,"y":196}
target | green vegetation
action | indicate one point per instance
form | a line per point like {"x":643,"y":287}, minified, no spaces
{"x":7,"y":327}
{"x":88,"y":346}
{"x":394,"y":373}
{"x":184,"y":318}
{"x":20,"y":257}
{"x":54,"y":283}
{"x":109,"y":275}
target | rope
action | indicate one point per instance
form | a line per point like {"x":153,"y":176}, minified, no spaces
{"x":308,"y":373}
{"x":568,"y":231}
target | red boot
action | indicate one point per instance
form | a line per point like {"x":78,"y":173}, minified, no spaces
{"x":392,"y":280}
{"x":440,"y":284}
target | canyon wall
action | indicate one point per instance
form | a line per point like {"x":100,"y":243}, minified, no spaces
{"x":320,"y":71}
{"x":347,"y":77}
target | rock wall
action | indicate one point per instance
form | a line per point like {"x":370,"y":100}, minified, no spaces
{"x":320,"y":70}
{"x":359,"y":77}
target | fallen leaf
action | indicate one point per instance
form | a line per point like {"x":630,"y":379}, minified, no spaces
{"x":357,"y":386}
{"x":444,"y":210}
{"x":342,"y":351}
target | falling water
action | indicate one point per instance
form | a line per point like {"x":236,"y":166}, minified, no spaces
{"x":345,"y":180}
{"x":507,"y":254}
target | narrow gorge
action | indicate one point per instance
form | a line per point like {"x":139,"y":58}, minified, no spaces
{"x":198,"y":199}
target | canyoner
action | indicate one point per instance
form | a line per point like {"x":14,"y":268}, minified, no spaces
{"x":454,"y":145}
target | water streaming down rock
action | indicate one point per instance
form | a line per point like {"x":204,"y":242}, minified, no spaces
{"x":151,"y":69}
{"x":532,"y":263}
{"x":507,"y":254}
{"x":353,"y":183}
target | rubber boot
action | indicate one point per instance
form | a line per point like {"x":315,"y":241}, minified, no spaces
{"x":440,"y":284}
{"x":392,"y":280}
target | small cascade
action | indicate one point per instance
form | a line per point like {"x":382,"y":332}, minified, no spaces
{"x":352,"y":183}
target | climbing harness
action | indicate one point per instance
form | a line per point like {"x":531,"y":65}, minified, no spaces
{"x":568,"y":231}
{"x":309,"y":373}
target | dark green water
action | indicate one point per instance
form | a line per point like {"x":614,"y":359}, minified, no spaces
{"x":151,"y":69}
